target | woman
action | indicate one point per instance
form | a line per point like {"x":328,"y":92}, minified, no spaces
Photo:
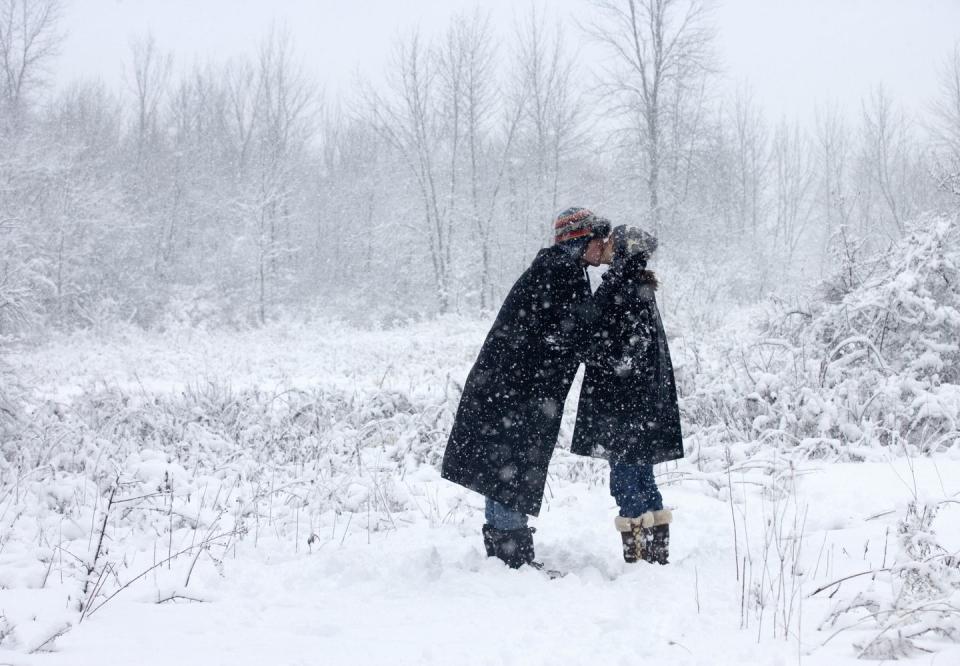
{"x":628,"y":410}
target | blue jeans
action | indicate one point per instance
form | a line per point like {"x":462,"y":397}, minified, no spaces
{"x":634,"y":488}
{"x":502,"y":517}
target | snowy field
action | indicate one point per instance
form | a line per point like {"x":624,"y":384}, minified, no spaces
{"x":273,"y":497}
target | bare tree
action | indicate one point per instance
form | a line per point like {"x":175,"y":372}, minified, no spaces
{"x":241,"y":115}
{"x":80,"y":194}
{"x":451,"y":68}
{"x":351,"y":187}
{"x":193,"y":161}
{"x":151,"y":75}
{"x":885,"y":158}
{"x":472,"y":42}
{"x":794,"y":180}
{"x":552,"y":111}
{"x":736,"y":160}
{"x":946,"y":122}
{"x":657,"y":45}
{"x":751,"y":161}
{"x":833,"y":151}
{"x":409,"y":123}
{"x":284,"y":102}
{"x":29,"y":39}
{"x":685,"y":124}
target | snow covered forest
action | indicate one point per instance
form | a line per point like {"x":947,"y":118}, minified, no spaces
{"x":237,"y":311}
{"x":235,"y":191}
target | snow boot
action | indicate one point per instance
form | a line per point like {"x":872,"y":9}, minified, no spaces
{"x":646,"y":537}
{"x":513,"y":547}
{"x":632,"y":531}
{"x":658,"y":540}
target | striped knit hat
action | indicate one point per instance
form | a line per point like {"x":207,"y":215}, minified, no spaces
{"x":579,"y":223}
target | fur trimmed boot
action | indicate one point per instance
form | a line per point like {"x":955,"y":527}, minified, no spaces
{"x":513,"y":547}
{"x":658,"y":544}
{"x":646,"y":537}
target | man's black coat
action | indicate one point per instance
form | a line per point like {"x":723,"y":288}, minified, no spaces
{"x":628,"y":408}
{"x":509,"y":415}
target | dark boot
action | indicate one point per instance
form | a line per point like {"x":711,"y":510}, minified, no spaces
{"x":657,"y":538}
{"x":632,"y":530}
{"x":630,"y":548}
{"x":658,"y":544}
{"x":488,"y":543}
{"x":646,"y":537}
{"x":513,"y":547}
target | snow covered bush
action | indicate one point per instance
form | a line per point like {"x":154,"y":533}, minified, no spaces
{"x":101,"y":491}
{"x":876,"y":363}
{"x":917,"y":598}
{"x":9,"y":399}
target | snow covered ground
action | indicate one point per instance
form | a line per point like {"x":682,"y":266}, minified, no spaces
{"x":394,"y":571}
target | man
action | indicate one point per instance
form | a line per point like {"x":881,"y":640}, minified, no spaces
{"x":509,"y":415}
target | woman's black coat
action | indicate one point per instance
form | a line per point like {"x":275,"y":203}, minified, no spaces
{"x":509,"y":415}
{"x":628,"y":408}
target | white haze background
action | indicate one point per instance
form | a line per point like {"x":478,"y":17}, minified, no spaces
{"x":792,"y":53}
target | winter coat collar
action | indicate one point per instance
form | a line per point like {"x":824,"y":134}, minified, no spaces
{"x":558,"y":255}
{"x":644,"y":278}
{"x":648,"y":279}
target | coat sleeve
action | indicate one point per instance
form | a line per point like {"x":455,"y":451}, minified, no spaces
{"x":568,"y":322}
{"x":535,"y":316}
{"x":585,"y":322}
{"x":638,"y":341}
{"x":559,"y":309}
{"x":601,"y":322}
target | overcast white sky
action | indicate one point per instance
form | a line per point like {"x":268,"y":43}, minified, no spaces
{"x":794,"y":53}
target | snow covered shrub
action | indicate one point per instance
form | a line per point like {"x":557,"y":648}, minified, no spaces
{"x":906,"y":304}
{"x":22,"y":289}
{"x":195,"y":306}
{"x":208,"y":465}
{"x":115,"y":487}
{"x":9,"y":400}
{"x":922,"y":599}
{"x":873,"y":360}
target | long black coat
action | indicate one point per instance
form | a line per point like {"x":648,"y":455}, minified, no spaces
{"x":628,"y":408}
{"x":509,"y":415}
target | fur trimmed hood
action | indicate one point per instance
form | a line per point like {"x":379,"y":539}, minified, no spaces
{"x":643,"y":277}
{"x":648,"y":278}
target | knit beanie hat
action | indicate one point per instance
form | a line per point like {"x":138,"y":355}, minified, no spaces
{"x":579,"y":224}
{"x":630,"y":241}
